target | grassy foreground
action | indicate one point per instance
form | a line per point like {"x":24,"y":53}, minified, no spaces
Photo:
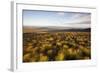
{"x":56,"y":46}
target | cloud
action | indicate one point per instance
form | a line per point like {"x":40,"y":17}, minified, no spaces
{"x":80,"y":19}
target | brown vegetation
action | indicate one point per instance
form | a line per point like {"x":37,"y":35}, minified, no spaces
{"x":56,"y":46}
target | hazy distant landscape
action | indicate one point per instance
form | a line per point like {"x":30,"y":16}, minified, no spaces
{"x":29,"y":29}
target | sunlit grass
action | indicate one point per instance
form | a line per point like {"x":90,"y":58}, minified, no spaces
{"x":56,"y":46}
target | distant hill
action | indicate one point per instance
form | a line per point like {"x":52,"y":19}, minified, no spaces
{"x":27,"y":29}
{"x":72,"y":30}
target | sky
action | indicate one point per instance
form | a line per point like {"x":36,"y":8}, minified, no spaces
{"x":38,"y":18}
